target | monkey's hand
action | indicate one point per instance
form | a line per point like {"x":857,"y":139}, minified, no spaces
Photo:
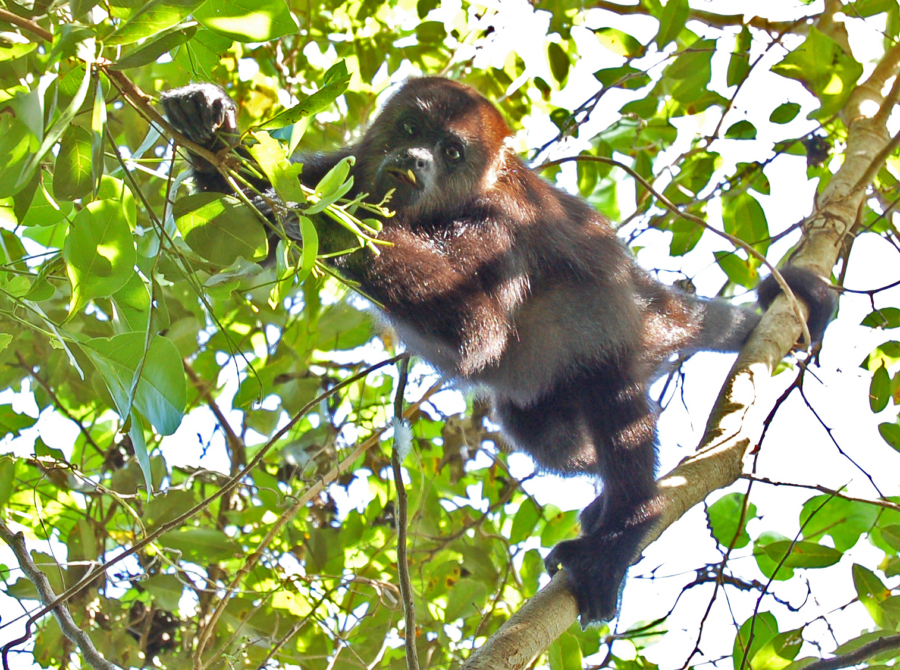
{"x":820,"y":298}
{"x":596,"y":565}
{"x":204,"y":114}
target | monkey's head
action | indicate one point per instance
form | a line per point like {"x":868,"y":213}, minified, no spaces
{"x":438,"y":144}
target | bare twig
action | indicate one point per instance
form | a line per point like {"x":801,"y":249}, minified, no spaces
{"x":886,"y":504}
{"x":409,"y":606}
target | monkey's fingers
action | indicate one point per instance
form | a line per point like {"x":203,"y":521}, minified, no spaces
{"x":201,"y":112}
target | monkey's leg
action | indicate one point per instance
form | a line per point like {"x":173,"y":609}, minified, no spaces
{"x":615,"y":524}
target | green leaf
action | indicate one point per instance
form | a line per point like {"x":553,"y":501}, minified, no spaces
{"x":203,"y":54}
{"x":785,"y":112}
{"x":336,"y":81}
{"x":310,"y":247}
{"x":99,"y":252}
{"x":890,"y":432}
{"x":885,"y":355}
{"x":7,"y":479}
{"x":879,"y":390}
{"x":742,"y":130}
{"x":59,"y":126}
{"x":465,"y":599}
{"x":745,"y":219}
{"x":161,"y":392}
{"x":151,"y":50}
{"x":824,"y":68}
{"x":525,"y":520}
{"x":778,"y":652}
{"x":153,"y":17}
{"x":98,"y":130}
{"x":802,"y":554}
{"x":17,"y":144}
{"x":765,"y":562}
{"x":284,"y":175}
{"x":843,"y":520}
{"x":45,"y":211}
{"x":132,"y":303}
{"x":565,"y":653}
{"x":248,"y":20}
{"x":333,"y":186}
{"x":13,"y":423}
{"x":165,"y":589}
{"x":866,"y":8}
{"x":14,"y":45}
{"x":619,"y":43}
{"x":625,"y":77}
{"x":342,"y":326}
{"x":685,"y":236}
{"x":559,"y":62}
{"x":891,"y":535}
{"x":886,"y":317}
{"x":201,"y":545}
{"x":739,"y":270}
{"x":872,"y":592}
{"x":560,"y":526}
{"x":72,"y":177}
{"x":220,"y":228}
{"x":671,"y":21}
{"x":723,"y":517}
{"x":739,"y":64}
{"x":753,"y":635}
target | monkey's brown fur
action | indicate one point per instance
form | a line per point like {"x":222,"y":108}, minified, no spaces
{"x":517,"y":288}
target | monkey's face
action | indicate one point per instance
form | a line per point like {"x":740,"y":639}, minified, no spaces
{"x":437,"y":145}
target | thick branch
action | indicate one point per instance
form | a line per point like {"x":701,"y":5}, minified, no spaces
{"x":857,"y":656}
{"x":719,"y":460}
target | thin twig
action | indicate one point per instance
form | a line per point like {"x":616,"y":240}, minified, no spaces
{"x":210,"y":626}
{"x":409,"y":606}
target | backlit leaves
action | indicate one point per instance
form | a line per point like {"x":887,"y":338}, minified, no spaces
{"x":99,"y":252}
{"x":824,"y":69}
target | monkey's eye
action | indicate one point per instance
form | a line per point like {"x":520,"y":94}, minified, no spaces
{"x":409,"y":127}
{"x":453,"y":153}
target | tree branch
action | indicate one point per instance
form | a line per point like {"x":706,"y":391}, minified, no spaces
{"x":711,"y":18}
{"x":857,"y":656}
{"x":718,"y":461}
{"x":70,"y":629}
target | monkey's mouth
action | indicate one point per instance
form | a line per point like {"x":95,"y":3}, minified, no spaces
{"x":405,"y":176}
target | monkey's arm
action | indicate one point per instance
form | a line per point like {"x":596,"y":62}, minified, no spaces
{"x":450,"y":308}
{"x":207,"y":115}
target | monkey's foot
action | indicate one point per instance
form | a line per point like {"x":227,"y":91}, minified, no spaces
{"x":595,"y":566}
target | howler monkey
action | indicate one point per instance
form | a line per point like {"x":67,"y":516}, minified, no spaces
{"x":511,"y":285}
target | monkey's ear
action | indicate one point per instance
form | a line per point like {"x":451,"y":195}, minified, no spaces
{"x":819,"y":296}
